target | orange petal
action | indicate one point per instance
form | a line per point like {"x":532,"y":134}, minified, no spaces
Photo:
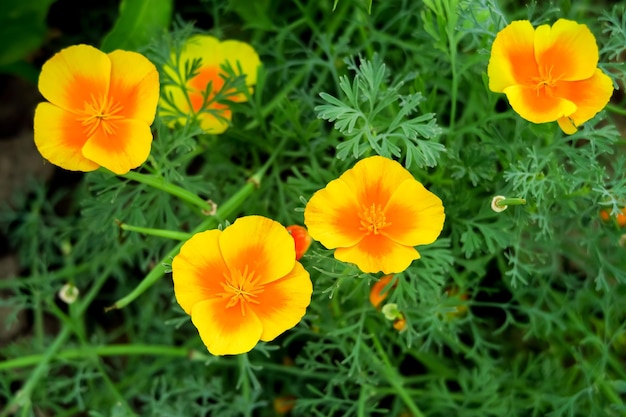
{"x":512,"y":58}
{"x":567,"y":51}
{"x":134,"y":85}
{"x":74,"y":76}
{"x":537,"y":106}
{"x":226,"y":330}
{"x":377,"y":253}
{"x":125,"y":149}
{"x":60,"y":138}
{"x":198,"y":270}
{"x":283,"y":302}
{"x":260,"y":244}
{"x":415,"y":215}
{"x":590,"y":96}
{"x":331,"y":216}
{"x":375,"y":179}
{"x":377,"y":293}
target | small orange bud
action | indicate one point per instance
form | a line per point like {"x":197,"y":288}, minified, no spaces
{"x":399,"y":324}
{"x":301,"y":238}
{"x":284,"y":404}
{"x":620,"y":218}
{"x":377,"y":296}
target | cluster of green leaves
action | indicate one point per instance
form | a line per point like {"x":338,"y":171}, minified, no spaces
{"x":516,"y":313}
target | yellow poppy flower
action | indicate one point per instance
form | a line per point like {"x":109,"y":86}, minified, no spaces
{"x":241,"y":285}
{"x":100,"y":109}
{"x":374,"y":214}
{"x":214,"y":117}
{"x":549,"y":73}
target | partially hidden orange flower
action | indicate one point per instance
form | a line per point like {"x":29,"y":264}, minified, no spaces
{"x":374,"y":214}
{"x":241,"y":285}
{"x":301,"y":239}
{"x":192,"y":101}
{"x":550,"y":73}
{"x":620,"y":218}
{"x":99,"y":110}
{"x":378,"y":294}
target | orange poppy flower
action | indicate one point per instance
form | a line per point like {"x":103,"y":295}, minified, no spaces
{"x":377,"y":296}
{"x":549,"y":73}
{"x":620,"y":218}
{"x":100,"y":109}
{"x":301,"y":239}
{"x":241,"y":285}
{"x":374,"y":214}
{"x":213,"y":116}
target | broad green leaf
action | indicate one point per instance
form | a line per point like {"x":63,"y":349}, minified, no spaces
{"x":139,"y":21}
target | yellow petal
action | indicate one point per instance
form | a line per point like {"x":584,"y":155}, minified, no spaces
{"x":567,"y":125}
{"x":226,"y":330}
{"x":74,"y":76}
{"x":282,"y":303}
{"x":590,"y":96}
{"x":60,"y":138}
{"x":215,"y":120}
{"x":377,"y":253}
{"x":198,"y":270}
{"x":512,"y":58}
{"x":259,"y":244}
{"x":567,"y":51}
{"x":205,"y":47}
{"x":331,"y":215}
{"x":537,"y":106}
{"x":243,"y":59}
{"x":125,"y":149}
{"x":375,"y":179}
{"x":415,"y":215}
{"x":134,"y":85}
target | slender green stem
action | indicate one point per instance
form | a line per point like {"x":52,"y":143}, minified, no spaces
{"x":23,"y":397}
{"x":245,"y":382}
{"x":160,"y":184}
{"x":168,"y":234}
{"x":616,"y":109}
{"x":510,"y":202}
{"x":391,"y":375}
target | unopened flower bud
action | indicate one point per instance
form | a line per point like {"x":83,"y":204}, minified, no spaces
{"x":68,"y":293}
{"x":301,"y":238}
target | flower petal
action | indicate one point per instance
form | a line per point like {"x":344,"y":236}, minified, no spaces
{"x":205,"y":47}
{"x":283,"y":302}
{"x":537,"y":106}
{"x":377,"y":253}
{"x":60,"y":137}
{"x":415,"y":215}
{"x":134,"y":85}
{"x":226,"y":330}
{"x":260,"y":244}
{"x":512,"y":58}
{"x":125,"y":149}
{"x":198,"y":270}
{"x":567,"y":51}
{"x":331,"y":215}
{"x":590,"y":96}
{"x":215,"y":120}
{"x":243,"y":59}
{"x":74,"y":76}
{"x":375,"y":179}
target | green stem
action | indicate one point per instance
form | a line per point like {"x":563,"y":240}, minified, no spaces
{"x":389,"y":373}
{"x":160,"y":184}
{"x":109,"y":350}
{"x":616,"y":109}
{"x":168,"y":234}
{"x":23,"y":397}
{"x":510,"y":202}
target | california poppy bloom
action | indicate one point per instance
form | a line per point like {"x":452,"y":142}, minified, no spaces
{"x":549,"y":73}
{"x":100,"y":109}
{"x":241,"y":285}
{"x":374,"y":214}
{"x":301,"y":239}
{"x":620,"y":219}
{"x":192,"y":100}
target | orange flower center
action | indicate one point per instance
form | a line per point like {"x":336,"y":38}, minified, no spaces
{"x":545,"y":83}
{"x":101,"y":112}
{"x":241,"y":287}
{"x":372,"y":219}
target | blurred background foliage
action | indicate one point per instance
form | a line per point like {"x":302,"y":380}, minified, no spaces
{"x":519,"y":313}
